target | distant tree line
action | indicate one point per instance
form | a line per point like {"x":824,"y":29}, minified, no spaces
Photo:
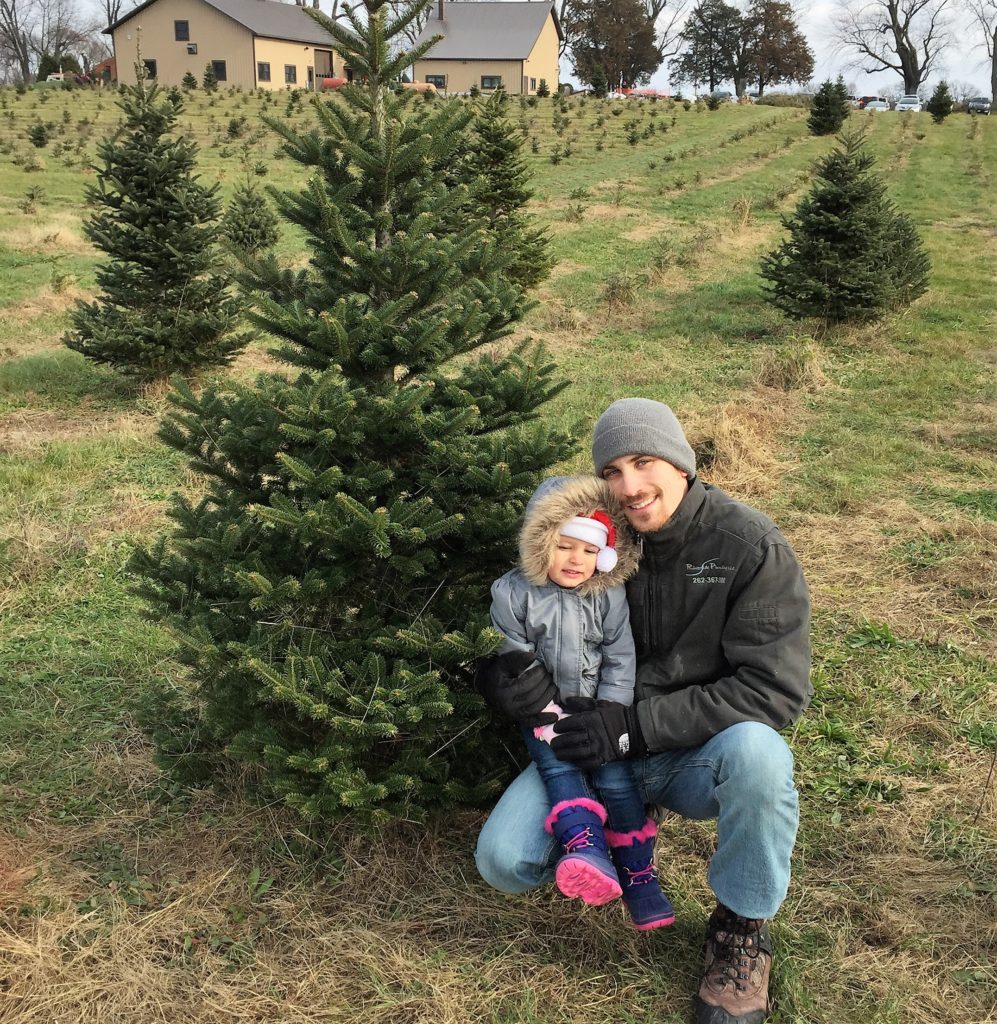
{"x":39,"y":36}
{"x":759,"y":46}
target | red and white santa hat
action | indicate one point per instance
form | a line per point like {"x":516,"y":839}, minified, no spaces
{"x":598,"y":530}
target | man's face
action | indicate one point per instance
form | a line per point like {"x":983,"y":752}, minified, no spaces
{"x":649,"y":489}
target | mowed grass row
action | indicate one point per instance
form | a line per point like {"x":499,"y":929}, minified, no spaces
{"x":127,"y":899}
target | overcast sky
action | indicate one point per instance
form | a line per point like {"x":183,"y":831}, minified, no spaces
{"x":960,"y":64}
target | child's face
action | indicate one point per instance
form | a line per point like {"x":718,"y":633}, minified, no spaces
{"x":573,"y":562}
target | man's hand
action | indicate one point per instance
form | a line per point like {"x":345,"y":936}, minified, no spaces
{"x":517,"y":686}
{"x":609,"y":732}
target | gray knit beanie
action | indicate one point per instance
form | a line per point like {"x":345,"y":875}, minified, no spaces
{"x":640,"y":426}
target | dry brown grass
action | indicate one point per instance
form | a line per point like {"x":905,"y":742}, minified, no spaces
{"x":57,"y":233}
{"x":31,"y":430}
{"x":396,"y":929}
{"x":738,"y":447}
{"x":554,"y":314}
{"x":796,"y":366}
{"x":650,"y":229}
{"x":852,"y":561}
{"x":45,"y":301}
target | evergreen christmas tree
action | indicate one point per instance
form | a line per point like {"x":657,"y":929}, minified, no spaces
{"x":162,"y":308}
{"x":600,"y":83}
{"x":189,"y":81}
{"x":250,"y":224}
{"x":499,"y":179}
{"x":543,"y":89}
{"x":850,"y":255}
{"x":209,"y":81}
{"x":331,"y":589}
{"x":940,"y":104}
{"x":830,"y":108}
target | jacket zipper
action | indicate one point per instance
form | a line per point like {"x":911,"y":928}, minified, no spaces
{"x":651,"y":616}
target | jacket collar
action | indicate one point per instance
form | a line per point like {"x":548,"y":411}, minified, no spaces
{"x":664,"y":543}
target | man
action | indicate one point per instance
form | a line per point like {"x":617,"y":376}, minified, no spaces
{"x":721,"y":620}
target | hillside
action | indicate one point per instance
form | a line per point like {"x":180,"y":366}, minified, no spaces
{"x":126,"y":899}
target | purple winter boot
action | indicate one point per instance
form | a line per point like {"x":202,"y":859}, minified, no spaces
{"x":585,"y":871}
{"x":632,"y":854}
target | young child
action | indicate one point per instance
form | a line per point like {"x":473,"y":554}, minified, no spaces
{"x":566,"y":607}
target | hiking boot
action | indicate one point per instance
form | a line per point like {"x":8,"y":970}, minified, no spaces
{"x":632,"y":854}
{"x":585,"y":871}
{"x":735,"y":985}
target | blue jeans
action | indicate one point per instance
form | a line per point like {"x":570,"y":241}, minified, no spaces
{"x":614,"y":784}
{"x":743,"y":777}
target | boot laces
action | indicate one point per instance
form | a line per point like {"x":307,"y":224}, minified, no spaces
{"x":641,"y":876}
{"x":735,"y":951}
{"x":579,"y":841}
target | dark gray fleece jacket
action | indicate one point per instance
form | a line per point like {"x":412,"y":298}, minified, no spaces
{"x":720,"y":615}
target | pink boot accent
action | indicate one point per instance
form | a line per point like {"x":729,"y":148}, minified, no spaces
{"x":578,"y":879}
{"x":639,"y":835}
{"x":582,"y":801}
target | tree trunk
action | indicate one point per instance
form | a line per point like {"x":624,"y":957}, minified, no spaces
{"x":993,"y":66}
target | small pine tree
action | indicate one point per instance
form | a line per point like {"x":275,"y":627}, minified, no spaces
{"x":940,"y":104}
{"x":600,"y":83}
{"x":162,"y":308}
{"x":39,"y":134}
{"x":499,"y":179}
{"x":850,"y":255}
{"x":250,"y":224}
{"x":543,"y":89}
{"x":908,"y":261}
{"x":332,"y":587}
{"x":189,"y":82}
{"x":209,"y":81}
{"x":829,"y":109}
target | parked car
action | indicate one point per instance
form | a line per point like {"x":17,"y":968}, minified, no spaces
{"x":876,"y":104}
{"x":910,"y":103}
{"x":863,"y":100}
{"x":979,"y":105}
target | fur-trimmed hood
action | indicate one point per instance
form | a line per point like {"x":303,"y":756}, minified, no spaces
{"x":554,"y":502}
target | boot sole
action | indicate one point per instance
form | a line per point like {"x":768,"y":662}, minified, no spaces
{"x":578,"y":879}
{"x":663,"y":922}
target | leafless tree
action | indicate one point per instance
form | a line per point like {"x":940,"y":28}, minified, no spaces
{"x":15,"y":38}
{"x":668,"y":17}
{"x":905,"y":36}
{"x":983,"y":14}
{"x":59,"y":28}
{"x":30,"y":29}
{"x":414,"y":28}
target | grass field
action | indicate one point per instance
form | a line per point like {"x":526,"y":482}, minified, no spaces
{"x":125,"y":899}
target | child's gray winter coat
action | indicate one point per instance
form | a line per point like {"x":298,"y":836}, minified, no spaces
{"x":582,"y":636}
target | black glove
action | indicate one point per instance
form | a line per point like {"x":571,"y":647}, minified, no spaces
{"x":574,"y":705}
{"x":609,"y":732}
{"x":517,"y":686}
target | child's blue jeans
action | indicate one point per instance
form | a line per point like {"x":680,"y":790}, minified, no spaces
{"x":743,"y":777}
{"x":613,"y":783}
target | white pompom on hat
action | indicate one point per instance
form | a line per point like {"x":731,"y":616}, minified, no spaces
{"x":597,"y":530}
